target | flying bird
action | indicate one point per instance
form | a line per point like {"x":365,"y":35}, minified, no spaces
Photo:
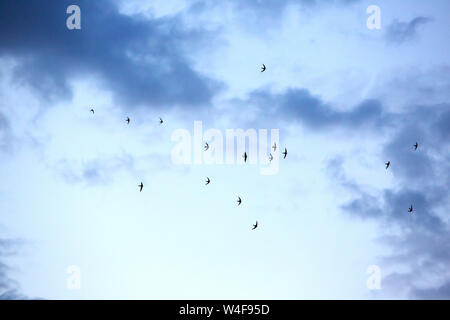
{"x":270,"y":157}
{"x":274,"y":147}
{"x":416,"y":146}
{"x":263,"y":68}
{"x":410,"y":209}
{"x":239,"y":201}
{"x":206,"y":146}
{"x":128,"y":120}
{"x":285,"y":153}
{"x":92,"y":110}
{"x":207,"y":181}
{"x":255,"y":225}
{"x":141,"y":186}
{"x":160,"y":121}
{"x":387,"y":164}
{"x":245,"y":156}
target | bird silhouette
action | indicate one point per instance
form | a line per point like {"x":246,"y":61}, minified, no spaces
{"x":274,"y":147}
{"x":416,"y":146}
{"x":255,"y":225}
{"x":207,"y":181}
{"x":270,"y":157}
{"x":285,"y":153}
{"x":128,"y":120}
{"x":160,"y":121}
{"x":387,"y":164}
{"x":263,"y":68}
{"x":92,"y":110}
{"x":410,"y":209}
{"x":245,"y":156}
{"x":141,"y":186}
{"x":206,"y":146}
{"x":239,"y":201}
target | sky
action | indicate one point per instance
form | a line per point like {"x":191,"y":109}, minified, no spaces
{"x":342,"y":98}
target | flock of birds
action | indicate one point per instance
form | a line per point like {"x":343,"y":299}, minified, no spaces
{"x":274,"y":147}
{"x":239,"y":200}
{"x":416,"y":145}
{"x":206,"y":148}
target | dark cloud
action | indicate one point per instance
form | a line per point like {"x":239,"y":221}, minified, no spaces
{"x":399,"y":32}
{"x":12,"y":295}
{"x":4,"y":132}
{"x":419,"y":241}
{"x":8,"y":287}
{"x":141,"y":61}
{"x":440,"y":293}
{"x":366,"y":206}
{"x":336,"y":171}
{"x":442,"y":125}
{"x":299,"y":105}
{"x":3,"y":122}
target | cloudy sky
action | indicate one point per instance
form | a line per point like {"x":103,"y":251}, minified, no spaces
{"x":345,"y":99}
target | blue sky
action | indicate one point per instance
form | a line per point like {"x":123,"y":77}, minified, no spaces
{"x":346,"y":99}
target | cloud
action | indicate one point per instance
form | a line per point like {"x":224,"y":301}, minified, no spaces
{"x":274,"y":6}
{"x":259,"y":15}
{"x":300,"y":106}
{"x":4,"y":132}
{"x":8,"y":287}
{"x":420,"y":241}
{"x":400,"y":32}
{"x":440,"y":293}
{"x":143,"y":62}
